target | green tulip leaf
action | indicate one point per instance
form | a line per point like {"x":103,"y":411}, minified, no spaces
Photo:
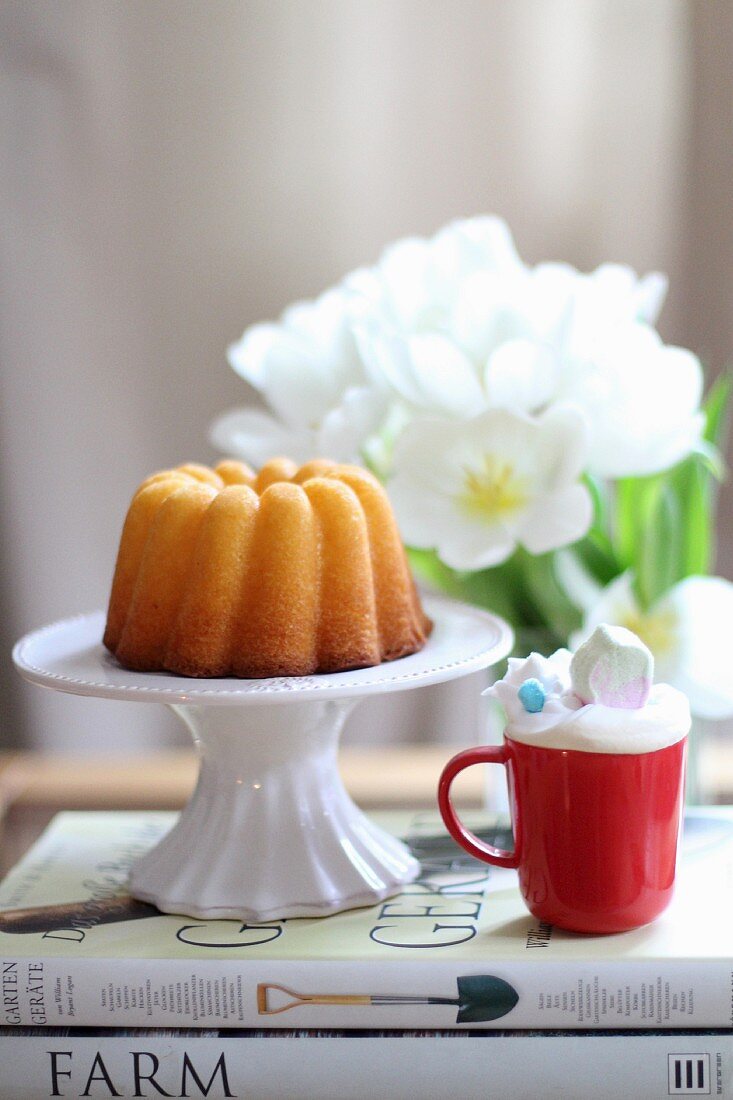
{"x":716,"y":408}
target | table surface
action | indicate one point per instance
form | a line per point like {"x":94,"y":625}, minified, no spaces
{"x":380,"y":777}
{"x":34,"y":786}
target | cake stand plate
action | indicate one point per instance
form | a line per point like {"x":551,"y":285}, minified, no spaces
{"x":269,"y":832}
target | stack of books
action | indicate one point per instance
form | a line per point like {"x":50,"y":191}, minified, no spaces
{"x":451,"y":988}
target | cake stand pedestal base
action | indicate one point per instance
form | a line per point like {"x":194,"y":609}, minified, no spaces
{"x":270,"y":832}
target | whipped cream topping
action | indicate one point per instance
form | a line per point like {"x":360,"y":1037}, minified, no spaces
{"x":565,"y":722}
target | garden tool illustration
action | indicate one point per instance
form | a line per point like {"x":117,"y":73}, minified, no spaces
{"x":481,"y":997}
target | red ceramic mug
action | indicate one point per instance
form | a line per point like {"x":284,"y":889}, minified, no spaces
{"x":595,"y":833}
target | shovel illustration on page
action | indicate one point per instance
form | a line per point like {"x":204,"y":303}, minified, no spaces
{"x":481,"y":997}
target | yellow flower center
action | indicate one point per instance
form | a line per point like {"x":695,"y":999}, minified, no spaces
{"x":494,"y":491}
{"x":657,"y":629}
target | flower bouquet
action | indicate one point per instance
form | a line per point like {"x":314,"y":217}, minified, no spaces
{"x":547,"y":455}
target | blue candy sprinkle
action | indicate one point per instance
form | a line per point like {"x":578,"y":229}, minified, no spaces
{"x":532,"y":696}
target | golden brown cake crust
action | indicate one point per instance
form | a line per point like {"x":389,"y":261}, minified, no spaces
{"x":285,"y":572}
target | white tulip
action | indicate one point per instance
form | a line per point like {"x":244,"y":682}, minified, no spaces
{"x":308,"y":370}
{"x":455,"y":325}
{"x":474,"y":489}
{"x":686,"y":630}
{"x":458,"y":324}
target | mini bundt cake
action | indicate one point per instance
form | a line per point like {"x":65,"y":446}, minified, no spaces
{"x":282,"y":573}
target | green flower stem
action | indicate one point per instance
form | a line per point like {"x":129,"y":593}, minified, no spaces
{"x":524,"y":590}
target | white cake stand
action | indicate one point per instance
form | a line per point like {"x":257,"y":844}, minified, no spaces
{"x":269,"y":832}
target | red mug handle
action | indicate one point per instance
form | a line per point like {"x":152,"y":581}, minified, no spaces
{"x":485,"y":754}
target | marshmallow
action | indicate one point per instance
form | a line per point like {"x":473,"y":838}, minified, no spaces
{"x":613,"y":667}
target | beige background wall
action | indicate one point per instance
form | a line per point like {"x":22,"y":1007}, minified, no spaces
{"x":171,"y":171}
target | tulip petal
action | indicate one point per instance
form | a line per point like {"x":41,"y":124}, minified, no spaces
{"x":704,"y":610}
{"x":255,"y":437}
{"x":403,"y":282}
{"x":345,"y":427}
{"x":247,"y":356}
{"x":427,"y":371}
{"x":420,"y":527}
{"x":521,"y":375}
{"x":475,"y":546}
{"x":474,"y":244}
{"x":444,"y":377}
{"x":556,"y":519}
{"x":562,"y":445}
{"x":641,"y":400}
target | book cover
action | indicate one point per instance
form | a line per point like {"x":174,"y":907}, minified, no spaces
{"x":457,"y":949}
{"x":261,"y":1064}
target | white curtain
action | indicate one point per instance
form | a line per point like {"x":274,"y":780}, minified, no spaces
{"x":174,"y":170}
